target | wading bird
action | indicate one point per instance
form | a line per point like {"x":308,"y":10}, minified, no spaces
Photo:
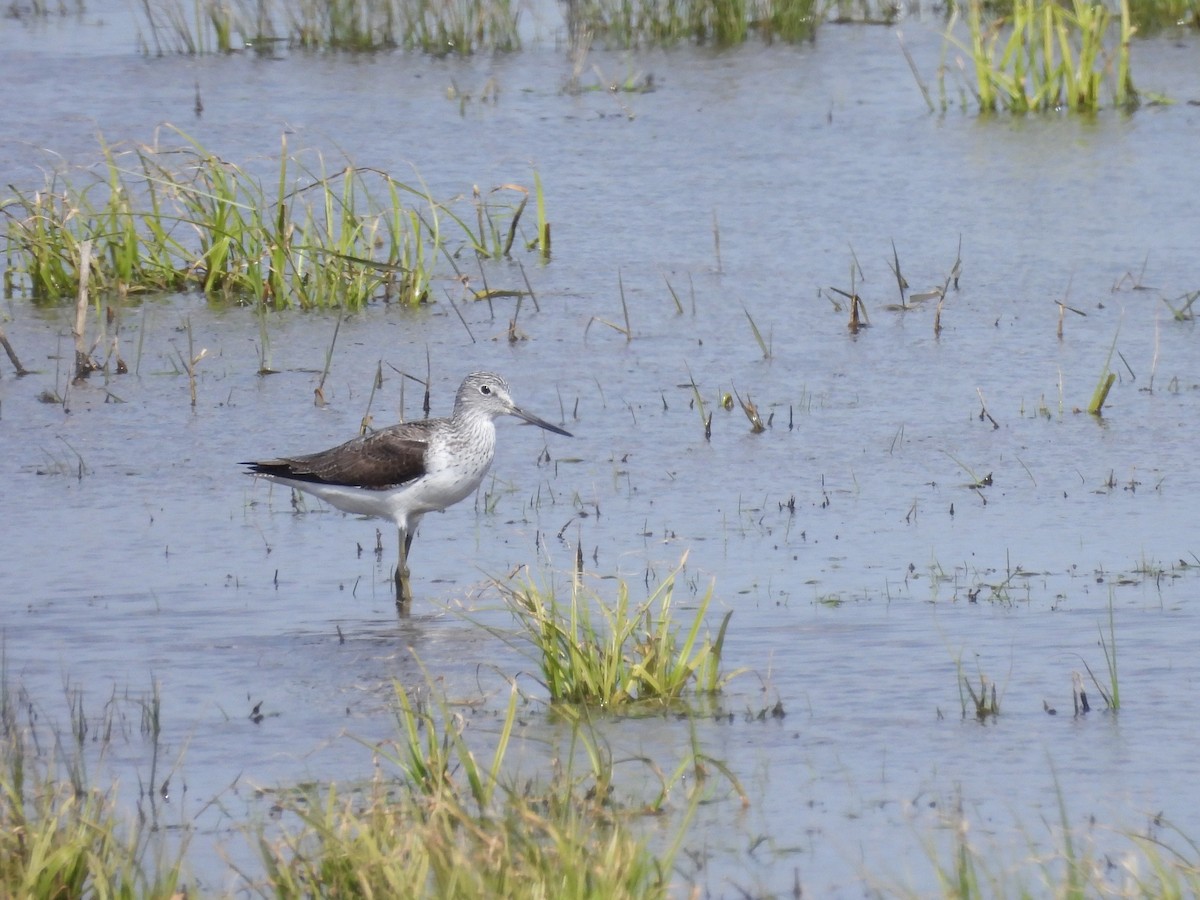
{"x":406,"y":470}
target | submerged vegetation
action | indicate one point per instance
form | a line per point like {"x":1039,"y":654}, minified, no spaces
{"x":180,"y":219}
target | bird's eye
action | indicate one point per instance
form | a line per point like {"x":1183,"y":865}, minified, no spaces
{"x":485,"y":389}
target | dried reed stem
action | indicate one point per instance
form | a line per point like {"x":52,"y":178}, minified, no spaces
{"x":84,"y":365}
{"x":12,"y":354}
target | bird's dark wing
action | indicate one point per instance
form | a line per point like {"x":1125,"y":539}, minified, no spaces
{"x":382,"y":459}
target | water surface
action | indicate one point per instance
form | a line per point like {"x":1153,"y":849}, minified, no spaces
{"x":862,"y":567}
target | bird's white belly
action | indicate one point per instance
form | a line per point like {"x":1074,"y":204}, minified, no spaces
{"x":440,"y":489}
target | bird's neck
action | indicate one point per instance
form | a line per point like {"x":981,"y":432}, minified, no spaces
{"x":479,"y":429}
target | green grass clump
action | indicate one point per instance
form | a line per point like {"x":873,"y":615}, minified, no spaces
{"x":62,"y":837}
{"x":451,"y":826}
{"x":1145,"y":15}
{"x":171,"y":220}
{"x":1159,"y":863}
{"x":594,"y":654}
{"x":437,"y":27}
{"x":32,"y":10}
{"x":1047,"y":55}
{"x":58,"y":842}
{"x":1155,"y":15}
{"x":723,"y":23}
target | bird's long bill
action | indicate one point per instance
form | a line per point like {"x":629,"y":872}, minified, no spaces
{"x":540,"y":423}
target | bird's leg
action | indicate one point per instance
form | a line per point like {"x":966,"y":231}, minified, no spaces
{"x":403,"y":585}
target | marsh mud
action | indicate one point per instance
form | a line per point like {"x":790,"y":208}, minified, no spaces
{"x":867,"y":565}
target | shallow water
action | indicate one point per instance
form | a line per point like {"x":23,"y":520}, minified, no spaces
{"x":134,"y":550}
